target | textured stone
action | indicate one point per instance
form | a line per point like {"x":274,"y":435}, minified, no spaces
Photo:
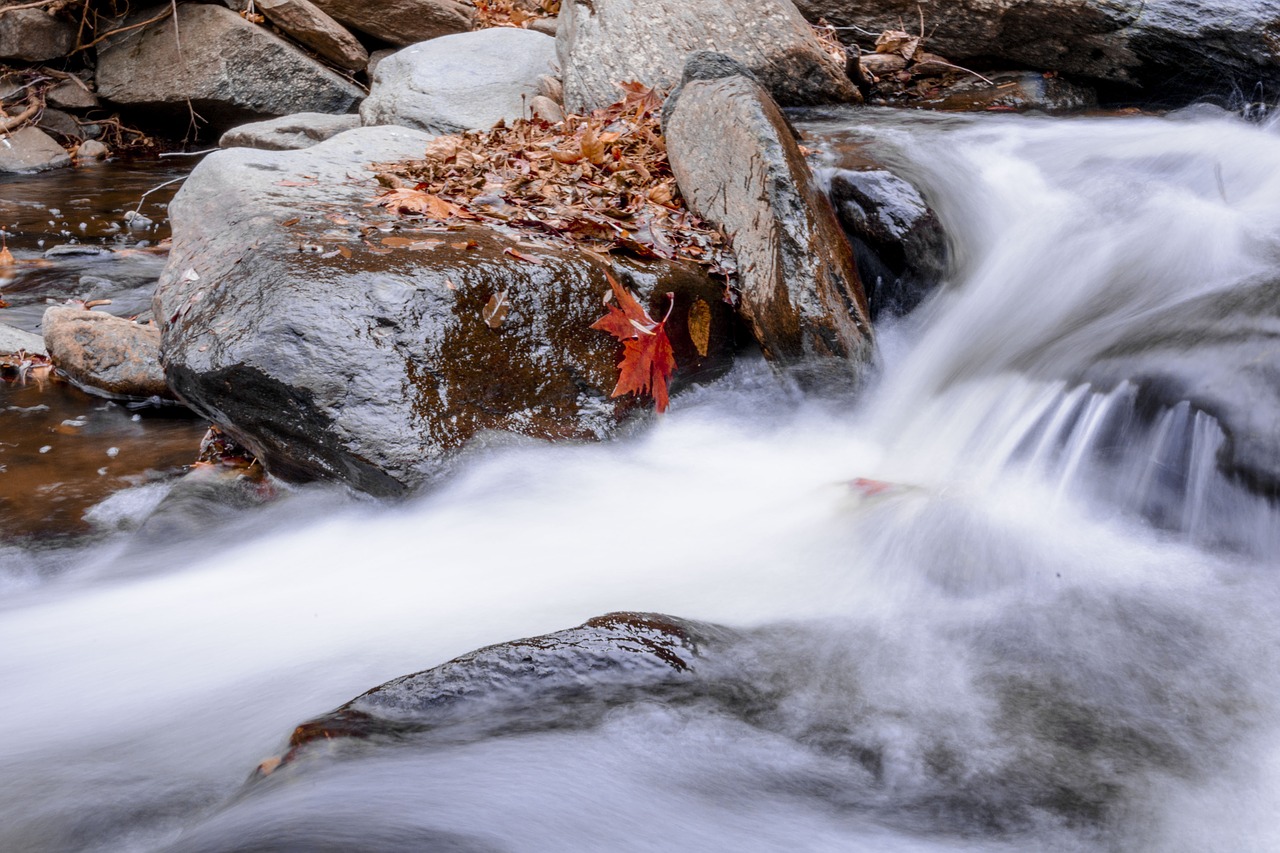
{"x":738,"y":164}
{"x":403,"y":22}
{"x":14,"y":339}
{"x":228,"y":70}
{"x":30,"y":149}
{"x":301,"y":130}
{"x":602,"y":42}
{"x":71,"y":94}
{"x":107,"y":355}
{"x":461,"y":82}
{"x":307,"y":23}
{"x":32,"y":35}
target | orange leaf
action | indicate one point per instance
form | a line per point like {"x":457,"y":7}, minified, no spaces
{"x":521,"y":256}
{"x":647,"y":357}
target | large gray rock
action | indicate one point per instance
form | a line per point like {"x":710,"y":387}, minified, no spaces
{"x":33,"y":35}
{"x":1221,"y":353}
{"x":14,"y":340}
{"x":371,"y":362}
{"x":603,"y":42}
{"x":288,"y":133}
{"x":307,"y":23}
{"x":461,"y":82}
{"x":31,"y":150}
{"x":403,"y":22}
{"x":228,"y":70}
{"x":103,"y":354}
{"x":738,"y":164}
{"x":1167,"y":46}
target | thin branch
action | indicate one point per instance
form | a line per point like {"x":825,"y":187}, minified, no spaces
{"x":143,"y":197}
{"x":36,"y":5}
{"x":166,"y":13}
{"x":10,"y":122}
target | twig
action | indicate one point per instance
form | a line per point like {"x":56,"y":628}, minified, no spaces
{"x":166,"y":13}
{"x":187,"y":153}
{"x":10,"y":122}
{"x":958,"y":68}
{"x":35,"y":5}
{"x":143,"y":197}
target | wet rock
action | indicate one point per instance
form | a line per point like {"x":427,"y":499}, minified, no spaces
{"x":33,"y":35}
{"x":461,"y":82}
{"x":1217,"y":352}
{"x":92,"y":151}
{"x":602,"y":42}
{"x":307,"y":23}
{"x":301,"y":130}
{"x":14,"y":340}
{"x":228,"y":70}
{"x":30,"y":149}
{"x":1179,"y":48}
{"x":1010,"y":91}
{"x":565,"y":679}
{"x":738,"y":164}
{"x":403,"y":22}
{"x":542,"y":107}
{"x":56,"y":121}
{"x":898,"y":241}
{"x":373,"y":367}
{"x":110,"y":356}
{"x":71,"y":94}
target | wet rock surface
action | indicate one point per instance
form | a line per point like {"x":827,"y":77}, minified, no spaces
{"x":106,"y":355}
{"x":1218,"y":352}
{"x":1180,"y":48}
{"x":601,"y":42}
{"x":1010,"y":91}
{"x":31,"y":150}
{"x":373,"y":366}
{"x":738,"y":164}
{"x":288,"y":133}
{"x":403,"y":22}
{"x":228,"y":70}
{"x":468,"y":81}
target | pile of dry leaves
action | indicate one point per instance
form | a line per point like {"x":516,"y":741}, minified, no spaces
{"x":600,"y":182}
{"x":513,"y":13}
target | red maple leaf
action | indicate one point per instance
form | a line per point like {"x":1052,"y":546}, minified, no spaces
{"x":647,"y":358}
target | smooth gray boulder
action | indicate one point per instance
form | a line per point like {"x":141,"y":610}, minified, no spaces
{"x":33,"y":35}
{"x":469,"y":81}
{"x":737,"y":163}
{"x":301,"y":130}
{"x":403,"y":22}
{"x":603,"y":42}
{"x":228,"y":70}
{"x":30,"y":149}
{"x":1175,"y":47}
{"x":307,"y":22}
{"x":14,"y":340}
{"x":103,"y":354}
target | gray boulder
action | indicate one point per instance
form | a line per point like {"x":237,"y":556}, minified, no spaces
{"x":227,"y":70}
{"x":461,"y":82}
{"x":307,"y":23}
{"x":403,"y":22}
{"x":737,"y":163}
{"x":14,"y":340}
{"x":106,"y":355}
{"x":33,"y":35}
{"x":286,"y":133}
{"x":335,"y":350}
{"x":30,"y":149}
{"x":71,"y":94}
{"x":1166,"y":46}
{"x":603,"y":42}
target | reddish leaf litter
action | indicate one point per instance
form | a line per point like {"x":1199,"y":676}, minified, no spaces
{"x":513,"y":13}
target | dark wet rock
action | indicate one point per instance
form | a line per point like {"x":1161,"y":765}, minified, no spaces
{"x":228,"y":70}
{"x":14,"y":340}
{"x":403,"y":22}
{"x":1010,"y":91}
{"x":738,"y":164}
{"x":602,"y":42}
{"x":30,"y":149}
{"x":898,"y":241}
{"x":33,"y":35}
{"x":555,"y":681}
{"x":71,"y":94}
{"x":307,"y":23}
{"x":199,"y":502}
{"x":372,"y":369}
{"x":103,"y":354}
{"x":56,"y":121}
{"x":301,"y":130}
{"x":1217,"y":352}
{"x":469,"y":81}
{"x":1169,"y":47}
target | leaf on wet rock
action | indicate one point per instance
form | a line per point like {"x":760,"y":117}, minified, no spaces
{"x":700,"y":325}
{"x":648,"y":359}
{"x":521,"y":256}
{"x":495,"y":310}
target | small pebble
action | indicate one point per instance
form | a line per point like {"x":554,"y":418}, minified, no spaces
{"x":46,"y":448}
{"x":113,"y":452}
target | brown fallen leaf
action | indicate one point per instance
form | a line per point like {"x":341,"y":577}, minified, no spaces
{"x":518,"y":255}
{"x":289,"y":223}
{"x":495,"y":310}
{"x":410,"y":243}
{"x":344,"y":251}
{"x":700,"y":325}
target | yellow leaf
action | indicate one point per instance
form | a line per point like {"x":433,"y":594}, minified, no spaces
{"x":700,"y":325}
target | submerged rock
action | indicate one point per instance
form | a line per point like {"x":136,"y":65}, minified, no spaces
{"x":103,"y":354}
{"x":227,"y":70}
{"x":1010,"y":91}
{"x":738,"y":165}
{"x":30,"y":149}
{"x":287,"y":133}
{"x":469,"y":81}
{"x":339,"y":343}
{"x":603,"y":42}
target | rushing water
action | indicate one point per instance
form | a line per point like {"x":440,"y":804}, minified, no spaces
{"x":1040,"y":639}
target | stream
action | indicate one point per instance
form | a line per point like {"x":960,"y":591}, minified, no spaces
{"x":1055,"y":631}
